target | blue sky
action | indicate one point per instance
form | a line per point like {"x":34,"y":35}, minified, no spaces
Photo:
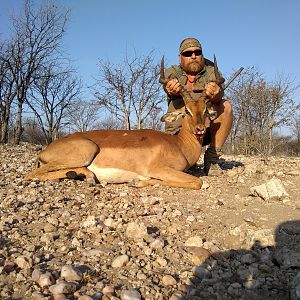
{"x":260,"y":33}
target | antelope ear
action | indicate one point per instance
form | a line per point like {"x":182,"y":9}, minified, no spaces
{"x":210,"y":112}
{"x":171,"y":116}
{"x":212,"y":115}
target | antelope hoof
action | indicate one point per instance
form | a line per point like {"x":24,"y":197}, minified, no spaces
{"x":134,"y":183}
{"x":74,"y":175}
{"x":71,"y":175}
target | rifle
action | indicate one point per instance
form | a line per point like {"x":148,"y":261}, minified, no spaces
{"x":233,"y":77}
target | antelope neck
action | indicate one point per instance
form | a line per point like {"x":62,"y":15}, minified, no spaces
{"x":189,"y":144}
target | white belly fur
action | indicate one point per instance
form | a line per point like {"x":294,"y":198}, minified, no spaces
{"x":114,"y":175}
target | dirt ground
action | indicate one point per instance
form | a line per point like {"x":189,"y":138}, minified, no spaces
{"x":79,"y":240}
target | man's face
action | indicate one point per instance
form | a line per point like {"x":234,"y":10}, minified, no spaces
{"x":192,"y":60}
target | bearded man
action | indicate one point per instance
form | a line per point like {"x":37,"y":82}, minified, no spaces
{"x":197,"y":74}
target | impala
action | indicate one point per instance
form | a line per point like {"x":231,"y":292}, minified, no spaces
{"x":140,"y":157}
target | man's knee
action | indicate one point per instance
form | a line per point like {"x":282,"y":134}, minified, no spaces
{"x":227,"y":108}
{"x":225,"y":113}
{"x":223,"y":108}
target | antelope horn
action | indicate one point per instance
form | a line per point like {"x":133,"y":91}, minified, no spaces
{"x":219,"y":78}
{"x":162,"y":78}
{"x":186,"y":95}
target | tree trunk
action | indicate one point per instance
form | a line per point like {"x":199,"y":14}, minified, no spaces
{"x":127,"y":120}
{"x":270,"y":142}
{"x":19,"y":129}
{"x":138,"y":125}
{"x":270,"y":137}
{"x":4,"y":126}
{"x":4,"y":133}
{"x":245,"y":144}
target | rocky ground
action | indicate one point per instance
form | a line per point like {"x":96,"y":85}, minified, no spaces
{"x":236,"y":238}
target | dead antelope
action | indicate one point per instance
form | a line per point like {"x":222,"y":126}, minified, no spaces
{"x":142,"y":157}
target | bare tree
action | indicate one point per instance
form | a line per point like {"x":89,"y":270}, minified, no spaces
{"x":282,"y":106}
{"x":154,"y":120}
{"x":108,"y":123}
{"x":130,"y":91}
{"x":240,"y":96}
{"x":35,"y":42}
{"x":33,"y":132}
{"x":259,"y":108}
{"x":50,"y":96}
{"x":83,"y":115}
{"x":295,"y":127}
{"x":7,"y":93}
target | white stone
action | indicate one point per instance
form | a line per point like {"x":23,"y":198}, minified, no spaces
{"x":23,"y":262}
{"x":70,"y":273}
{"x":46,"y":279}
{"x":63,"y":287}
{"x":89,"y":222}
{"x":120,"y":261}
{"x":271,"y":190}
{"x":194,"y":241}
{"x":136,"y":231}
{"x":130,"y":295}
{"x":168,"y":280}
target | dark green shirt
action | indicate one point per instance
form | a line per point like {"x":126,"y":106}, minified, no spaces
{"x":175,"y":103}
{"x":202,"y":78}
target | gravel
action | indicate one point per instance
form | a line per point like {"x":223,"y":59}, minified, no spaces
{"x":68,"y":239}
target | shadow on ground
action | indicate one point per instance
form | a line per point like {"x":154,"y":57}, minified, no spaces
{"x":262,"y":272}
{"x":198,"y":169}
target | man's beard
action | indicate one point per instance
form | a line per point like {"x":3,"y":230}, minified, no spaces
{"x":193,"y":67}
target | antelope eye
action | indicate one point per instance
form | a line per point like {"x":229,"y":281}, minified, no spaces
{"x":188,"y":112}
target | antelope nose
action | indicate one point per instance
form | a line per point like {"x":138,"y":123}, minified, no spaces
{"x":200,"y":130}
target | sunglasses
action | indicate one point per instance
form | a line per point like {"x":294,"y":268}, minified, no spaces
{"x":190,"y":53}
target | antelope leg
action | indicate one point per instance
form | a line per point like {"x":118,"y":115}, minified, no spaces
{"x":169,"y":177}
{"x":72,"y":173}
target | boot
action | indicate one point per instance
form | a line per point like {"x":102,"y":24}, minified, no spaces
{"x":211,"y":161}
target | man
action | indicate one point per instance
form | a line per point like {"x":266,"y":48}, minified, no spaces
{"x":197,"y":73}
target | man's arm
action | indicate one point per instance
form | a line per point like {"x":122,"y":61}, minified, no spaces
{"x":172,"y":88}
{"x":214,"y":92}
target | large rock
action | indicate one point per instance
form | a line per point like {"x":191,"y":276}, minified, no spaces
{"x":271,"y":190}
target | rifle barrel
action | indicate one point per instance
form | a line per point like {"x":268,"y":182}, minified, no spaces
{"x":234,"y":76}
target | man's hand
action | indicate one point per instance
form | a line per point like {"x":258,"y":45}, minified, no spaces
{"x":213,"y":91}
{"x":172,"y":87}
